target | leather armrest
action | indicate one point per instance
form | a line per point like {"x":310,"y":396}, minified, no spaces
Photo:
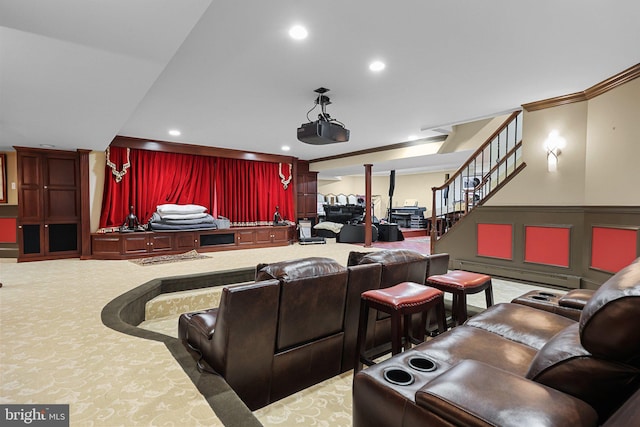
{"x":476,"y":394}
{"x":438,"y":264}
{"x":205,"y":323}
{"x":576,"y":298}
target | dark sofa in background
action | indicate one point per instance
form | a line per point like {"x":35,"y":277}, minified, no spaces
{"x":516,"y":365}
{"x":297,"y":324}
{"x":345,"y":233}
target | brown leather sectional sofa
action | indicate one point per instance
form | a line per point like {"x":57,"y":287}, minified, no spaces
{"x":517,"y":365}
{"x":297,"y":324}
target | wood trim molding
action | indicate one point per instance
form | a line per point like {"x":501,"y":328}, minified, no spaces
{"x":384,"y":148}
{"x":201,"y":150}
{"x":595,"y":90}
{"x":555,"y":102}
{"x":85,"y":209}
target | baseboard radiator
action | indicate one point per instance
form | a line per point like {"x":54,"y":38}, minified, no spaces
{"x":554,"y":279}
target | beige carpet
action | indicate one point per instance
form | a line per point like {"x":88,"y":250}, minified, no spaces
{"x":54,"y":348}
{"x":325,"y":404}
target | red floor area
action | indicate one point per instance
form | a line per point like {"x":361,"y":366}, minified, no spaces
{"x":419,"y":244}
{"x":415,"y":239}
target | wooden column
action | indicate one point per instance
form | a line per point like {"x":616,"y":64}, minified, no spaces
{"x":368,"y":218}
{"x":85,"y":210}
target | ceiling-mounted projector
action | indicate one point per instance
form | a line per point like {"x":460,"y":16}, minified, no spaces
{"x":325,"y":130}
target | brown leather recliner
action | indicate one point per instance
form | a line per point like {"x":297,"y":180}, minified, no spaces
{"x":295,"y":326}
{"x":516,"y":365}
{"x":309,"y":327}
{"x":276,"y":336}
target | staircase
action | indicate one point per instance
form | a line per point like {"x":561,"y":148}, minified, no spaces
{"x":494,"y":164}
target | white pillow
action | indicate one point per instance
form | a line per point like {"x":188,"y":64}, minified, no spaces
{"x":183,"y":216}
{"x":180,"y":209}
{"x":328,"y":225}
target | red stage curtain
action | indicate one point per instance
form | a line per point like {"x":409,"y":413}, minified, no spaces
{"x":247,"y":192}
{"x":155,"y":178}
{"x":244,"y":191}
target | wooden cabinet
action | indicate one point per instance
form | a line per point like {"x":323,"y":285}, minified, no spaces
{"x":146,"y":243}
{"x":307,"y":192}
{"x":246,"y":237}
{"x":49,"y":217}
{"x":272,"y":235}
{"x":185,"y":241}
{"x":141,"y":244}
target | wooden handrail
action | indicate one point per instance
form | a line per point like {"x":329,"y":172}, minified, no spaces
{"x":503,"y":160}
{"x":478,"y":156}
{"x":484,"y":145}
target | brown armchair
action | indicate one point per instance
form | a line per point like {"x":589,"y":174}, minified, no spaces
{"x":517,"y":365}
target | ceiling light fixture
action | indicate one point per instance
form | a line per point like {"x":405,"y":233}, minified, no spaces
{"x":298,"y":32}
{"x":175,"y":132}
{"x":285,"y":148}
{"x":377,"y":66}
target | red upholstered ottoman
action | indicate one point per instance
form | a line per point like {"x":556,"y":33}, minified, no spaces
{"x":400,"y":301}
{"x":461,"y":283}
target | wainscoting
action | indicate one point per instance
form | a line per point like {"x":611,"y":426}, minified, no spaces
{"x":563,"y":246}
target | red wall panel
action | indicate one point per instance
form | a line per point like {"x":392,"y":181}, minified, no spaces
{"x":613,"y":248}
{"x":495,"y":240}
{"x":547,"y":245}
{"x":7,"y":230}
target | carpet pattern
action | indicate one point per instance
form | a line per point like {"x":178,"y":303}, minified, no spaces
{"x":175,"y":303}
{"x":167,"y":259}
{"x":329,"y":403}
{"x":54,"y":348}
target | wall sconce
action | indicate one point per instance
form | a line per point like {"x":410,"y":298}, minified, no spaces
{"x":554,"y":145}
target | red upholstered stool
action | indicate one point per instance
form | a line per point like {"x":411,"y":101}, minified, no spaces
{"x":460,"y":284}
{"x":400,"y":301}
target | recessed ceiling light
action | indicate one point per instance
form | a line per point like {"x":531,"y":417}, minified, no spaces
{"x":412,"y":137}
{"x":298,"y":32}
{"x":47,"y":145}
{"x":174,"y":132}
{"x":377,"y":66}
{"x":285,"y":148}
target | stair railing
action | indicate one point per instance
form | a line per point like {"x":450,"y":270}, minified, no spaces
{"x":489,"y":168}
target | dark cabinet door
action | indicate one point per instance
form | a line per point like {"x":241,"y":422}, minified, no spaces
{"x":307,"y":193}
{"x":31,"y":186}
{"x":49,"y":217}
{"x":61,"y":188}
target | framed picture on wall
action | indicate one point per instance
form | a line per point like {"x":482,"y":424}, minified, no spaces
{"x":3,"y":178}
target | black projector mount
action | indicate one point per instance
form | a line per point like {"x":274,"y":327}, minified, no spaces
{"x":325,"y":130}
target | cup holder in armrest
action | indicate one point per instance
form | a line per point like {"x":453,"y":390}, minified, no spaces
{"x":398,"y":376}
{"x":540,"y":297}
{"x":548,"y":294}
{"x":422,"y":364}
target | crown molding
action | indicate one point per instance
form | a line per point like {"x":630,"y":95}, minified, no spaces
{"x":200,"y":150}
{"x":595,"y":90}
{"x":406,"y":144}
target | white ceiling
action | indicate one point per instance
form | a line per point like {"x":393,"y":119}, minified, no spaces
{"x":76,"y":73}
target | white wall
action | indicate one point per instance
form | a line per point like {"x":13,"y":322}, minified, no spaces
{"x":535,"y":185}
{"x":613,"y":147}
{"x":598,"y":166}
{"x":97,"y":161}
{"x":410,"y":186}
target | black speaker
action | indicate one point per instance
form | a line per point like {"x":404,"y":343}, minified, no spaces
{"x":392,"y":183}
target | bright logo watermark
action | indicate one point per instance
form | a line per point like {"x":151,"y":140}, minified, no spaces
{"x":34,"y":415}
